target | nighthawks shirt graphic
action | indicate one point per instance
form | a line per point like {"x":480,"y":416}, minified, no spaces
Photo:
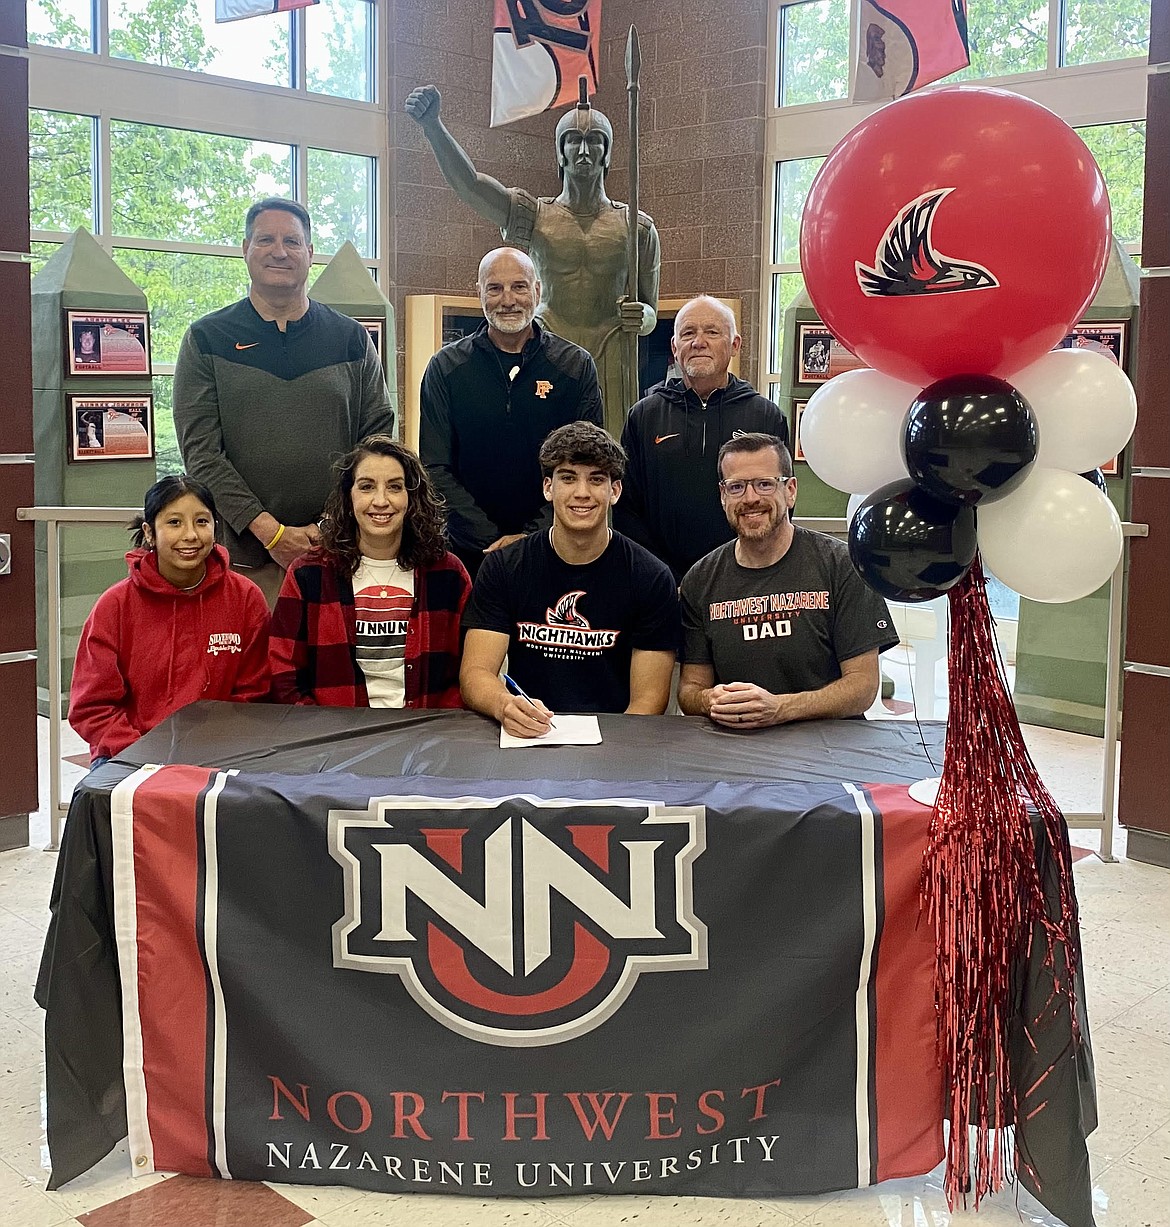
{"x":383,"y":593}
{"x":565,"y":633}
{"x":572,"y":629}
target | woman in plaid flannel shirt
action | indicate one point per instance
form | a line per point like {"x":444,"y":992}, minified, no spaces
{"x":370,"y":617}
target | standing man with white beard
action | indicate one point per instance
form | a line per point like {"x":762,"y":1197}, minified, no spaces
{"x":489,"y":400}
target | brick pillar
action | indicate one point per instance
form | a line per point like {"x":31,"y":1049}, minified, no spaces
{"x":702,"y":144}
{"x":703,"y":96}
{"x":18,"y":682}
{"x":1145,"y":758}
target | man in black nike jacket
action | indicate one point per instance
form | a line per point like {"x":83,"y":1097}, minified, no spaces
{"x":673,"y":435}
{"x":487,"y":403}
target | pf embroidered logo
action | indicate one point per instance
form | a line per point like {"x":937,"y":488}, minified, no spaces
{"x":518,"y":921}
{"x":227,"y":641}
{"x":543,"y":388}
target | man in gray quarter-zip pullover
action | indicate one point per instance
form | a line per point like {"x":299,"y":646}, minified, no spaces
{"x":488,"y":402}
{"x":269,"y":392}
{"x":673,"y":435}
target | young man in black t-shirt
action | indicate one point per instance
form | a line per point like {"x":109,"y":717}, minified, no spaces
{"x":587,"y":618}
{"x":777,"y":624}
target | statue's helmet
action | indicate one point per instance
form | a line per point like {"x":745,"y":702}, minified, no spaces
{"x":583,"y":120}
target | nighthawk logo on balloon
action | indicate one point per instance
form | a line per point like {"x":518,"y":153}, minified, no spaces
{"x":907,"y":263}
{"x":518,"y":921}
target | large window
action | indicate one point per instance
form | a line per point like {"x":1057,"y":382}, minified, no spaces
{"x":61,"y":151}
{"x":61,"y":23}
{"x":816,"y":40}
{"x":167,"y":183}
{"x":1120,"y":150}
{"x":338,"y":37}
{"x":1012,"y":36}
{"x":1084,"y":59}
{"x":193,"y":122}
{"x":339,"y":48}
{"x":1100,"y":30}
{"x":793,"y":179}
{"x":1005,"y":37}
{"x":180,"y":287}
{"x":184,"y":34}
{"x":341,"y":200}
{"x":814,"y":51}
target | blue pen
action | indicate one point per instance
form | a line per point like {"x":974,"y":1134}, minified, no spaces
{"x":520,"y":693}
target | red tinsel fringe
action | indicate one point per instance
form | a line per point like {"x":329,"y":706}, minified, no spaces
{"x":982,"y":889}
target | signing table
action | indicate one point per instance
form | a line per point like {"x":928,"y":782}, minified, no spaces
{"x":373,"y":948}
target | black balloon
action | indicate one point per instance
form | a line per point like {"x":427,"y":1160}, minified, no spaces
{"x":908,"y":545}
{"x":970,"y":439}
{"x":1098,"y":479}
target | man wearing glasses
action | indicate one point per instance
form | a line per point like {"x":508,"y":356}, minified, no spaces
{"x":777,"y":625}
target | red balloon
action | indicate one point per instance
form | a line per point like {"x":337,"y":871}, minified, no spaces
{"x":960,"y":231}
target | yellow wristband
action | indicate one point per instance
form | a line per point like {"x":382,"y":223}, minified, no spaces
{"x":279,"y":534}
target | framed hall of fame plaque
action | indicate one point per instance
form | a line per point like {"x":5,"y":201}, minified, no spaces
{"x":111,"y":428}
{"x":812,"y":343}
{"x":376,"y":329}
{"x":820,"y":356}
{"x":107,"y":343}
{"x":1105,"y":337}
{"x":798,"y":408}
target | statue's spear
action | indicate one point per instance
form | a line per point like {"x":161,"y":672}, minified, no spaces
{"x":633,"y":73}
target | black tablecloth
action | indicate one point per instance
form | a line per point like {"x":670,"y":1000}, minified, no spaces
{"x":461,"y":745}
{"x":79,"y":985}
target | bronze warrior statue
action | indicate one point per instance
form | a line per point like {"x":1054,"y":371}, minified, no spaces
{"x":577,"y":240}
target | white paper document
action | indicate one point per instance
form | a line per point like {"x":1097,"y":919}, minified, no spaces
{"x":566,"y":731}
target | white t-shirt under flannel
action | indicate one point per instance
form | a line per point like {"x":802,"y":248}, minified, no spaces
{"x":383,"y":594}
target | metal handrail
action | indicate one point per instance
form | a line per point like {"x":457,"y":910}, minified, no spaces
{"x":54,"y":517}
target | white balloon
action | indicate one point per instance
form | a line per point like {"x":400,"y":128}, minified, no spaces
{"x":1085,"y":406}
{"x":855,"y":501}
{"x":851,"y":430}
{"x":1057,"y":538}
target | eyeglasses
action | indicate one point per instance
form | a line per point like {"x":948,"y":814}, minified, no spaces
{"x":763,"y":486}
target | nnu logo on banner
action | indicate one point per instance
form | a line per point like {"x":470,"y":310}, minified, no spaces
{"x":518,"y":922}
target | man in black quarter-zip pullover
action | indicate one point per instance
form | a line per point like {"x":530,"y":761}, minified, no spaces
{"x":489,"y":400}
{"x":673,"y":435}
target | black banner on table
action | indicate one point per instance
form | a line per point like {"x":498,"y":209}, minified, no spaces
{"x":525,"y":988}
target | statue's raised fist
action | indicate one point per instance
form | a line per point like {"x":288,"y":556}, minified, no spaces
{"x":423,"y":104}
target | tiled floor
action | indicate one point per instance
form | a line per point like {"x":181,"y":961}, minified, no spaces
{"x":1125,"y":911}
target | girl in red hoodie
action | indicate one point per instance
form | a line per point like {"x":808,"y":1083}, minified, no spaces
{"x":183,"y":626}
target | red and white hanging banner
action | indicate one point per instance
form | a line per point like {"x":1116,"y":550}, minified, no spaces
{"x":541,"y":48}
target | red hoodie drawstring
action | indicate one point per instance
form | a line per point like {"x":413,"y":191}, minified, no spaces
{"x":202,"y":633}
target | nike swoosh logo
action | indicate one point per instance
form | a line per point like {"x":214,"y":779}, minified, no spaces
{"x":663,"y":438}
{"x":252,"y":346}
